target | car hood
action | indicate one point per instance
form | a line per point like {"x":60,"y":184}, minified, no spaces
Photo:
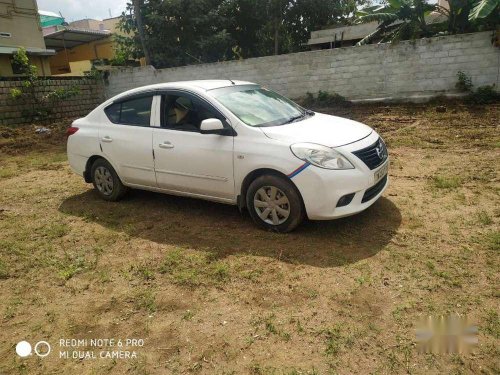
{"x":331,"y":131}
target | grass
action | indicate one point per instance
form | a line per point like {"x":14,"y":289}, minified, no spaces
{"x":4,"y":273}
{"x":104,"y":276}
{"x":447,"y":182}
{"x":6,"y":172}
{"x":252,"y":275}
{"x":30,"y":161}
{"x":188,"y":268}
{"x":484,"y":218}
{"x":258,"y":369}
{"x":220,"y":271}
{"x":145,"y":300}
{"x":12,"y":307}
{"x":210,"y":293}
{"x":53,"y":230}
{"x":188,"y":315}
{"x":144,"y":272}
{"x":493,"y":240}
{"x":334,"y":339}
{"x":271,"y":327}
{"x":492,"y":326}
{"x":72,"y":267}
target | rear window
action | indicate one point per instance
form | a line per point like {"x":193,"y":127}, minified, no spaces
{"x":135,"y":111}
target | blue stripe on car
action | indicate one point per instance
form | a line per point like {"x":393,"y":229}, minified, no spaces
{"x":299,"y":169}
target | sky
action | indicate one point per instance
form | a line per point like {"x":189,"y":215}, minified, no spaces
{"x":73,"y":10}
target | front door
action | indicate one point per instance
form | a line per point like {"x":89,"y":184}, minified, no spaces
{"x":126,"y":140}
{"x":185,"y":159}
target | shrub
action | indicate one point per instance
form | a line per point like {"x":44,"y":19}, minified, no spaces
{"x":120,"y":59}
{"x":484,"y":95}
{"x":309,"y":99}
{"x":324,"y":98}
{"x":464,"y":83}
{"x":331,"y":99}
{"x":94,"y":73}
{"x":39,"y":107}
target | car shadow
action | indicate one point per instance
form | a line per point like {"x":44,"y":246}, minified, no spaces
{"x":223,"y":230}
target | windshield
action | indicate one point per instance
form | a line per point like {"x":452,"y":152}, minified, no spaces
{"x":256,"y":106}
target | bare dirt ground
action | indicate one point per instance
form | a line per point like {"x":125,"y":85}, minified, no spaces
{"x":211,"y":294}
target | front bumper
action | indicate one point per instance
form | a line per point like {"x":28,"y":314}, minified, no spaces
{"x":321,"y":189}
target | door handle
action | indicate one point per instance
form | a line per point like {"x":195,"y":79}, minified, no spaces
{"x":107,"y":139}
{"x":166,"y":144}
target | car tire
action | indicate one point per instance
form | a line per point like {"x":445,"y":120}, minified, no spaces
{"x":274,"y":203}
{"x":106,"y":181}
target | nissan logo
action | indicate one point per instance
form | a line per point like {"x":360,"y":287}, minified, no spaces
{"x":380,"y":150}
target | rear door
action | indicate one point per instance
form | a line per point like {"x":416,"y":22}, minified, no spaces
{"x":126,"y":140}
{"x":185,"y":159}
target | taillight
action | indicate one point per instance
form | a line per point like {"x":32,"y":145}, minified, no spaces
{"x":71,"y":130}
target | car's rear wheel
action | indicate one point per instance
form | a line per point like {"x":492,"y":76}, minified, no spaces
{"x":274,"y":203}
{"x":106,"y":182}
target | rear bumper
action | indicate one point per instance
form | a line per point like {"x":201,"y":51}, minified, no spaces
{"x":321,"y":189}
{"x":77,"y":163}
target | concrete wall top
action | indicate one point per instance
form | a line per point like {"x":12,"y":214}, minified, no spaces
{"x":410,"y":68}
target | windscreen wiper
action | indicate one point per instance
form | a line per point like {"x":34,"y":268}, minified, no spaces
{"x":295,"y":118}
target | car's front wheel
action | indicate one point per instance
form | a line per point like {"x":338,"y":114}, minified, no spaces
{"x":274,"y":203}
{"x":106,"y":181}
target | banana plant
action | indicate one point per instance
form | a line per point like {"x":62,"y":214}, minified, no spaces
{"x":457,"y":16}
{"x":483,"y":8}
{"x":397,"y":20}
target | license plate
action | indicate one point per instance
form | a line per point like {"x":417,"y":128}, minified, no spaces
{"x":381,"y":172}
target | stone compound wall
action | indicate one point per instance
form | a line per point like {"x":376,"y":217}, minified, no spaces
{"x":408,"y":70}
{"x":91,"y":93}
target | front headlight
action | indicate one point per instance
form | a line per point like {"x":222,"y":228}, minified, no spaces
{"x":321,"y":156}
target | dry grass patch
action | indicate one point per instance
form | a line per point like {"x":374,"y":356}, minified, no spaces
{"x":211,"y":294}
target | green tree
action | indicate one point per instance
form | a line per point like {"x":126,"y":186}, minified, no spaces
{"x":245,"y":20}
{"x":179,"y":32}
{"x":265,"y":27}
{"x":309,"y":15}
{"x":137,"y":6}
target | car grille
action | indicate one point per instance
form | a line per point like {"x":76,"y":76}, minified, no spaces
{"x":374,"y":190}
{"x":373,"y":155}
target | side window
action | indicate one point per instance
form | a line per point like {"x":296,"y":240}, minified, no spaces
{"x":136,"y":111}
{"x":113,"y":112}
{"x":131,"y":112}
{"x":182,"y":113}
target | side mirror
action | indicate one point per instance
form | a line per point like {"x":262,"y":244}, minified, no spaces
{"x":213,"y":126}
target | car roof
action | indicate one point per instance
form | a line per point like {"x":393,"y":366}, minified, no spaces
{"x":198,"y":85}
{"x":208,"y":84}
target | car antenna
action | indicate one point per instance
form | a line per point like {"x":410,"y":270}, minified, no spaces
{"x":230,"y":80}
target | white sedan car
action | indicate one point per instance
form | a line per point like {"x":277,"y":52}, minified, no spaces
{"x":232,"y":142}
